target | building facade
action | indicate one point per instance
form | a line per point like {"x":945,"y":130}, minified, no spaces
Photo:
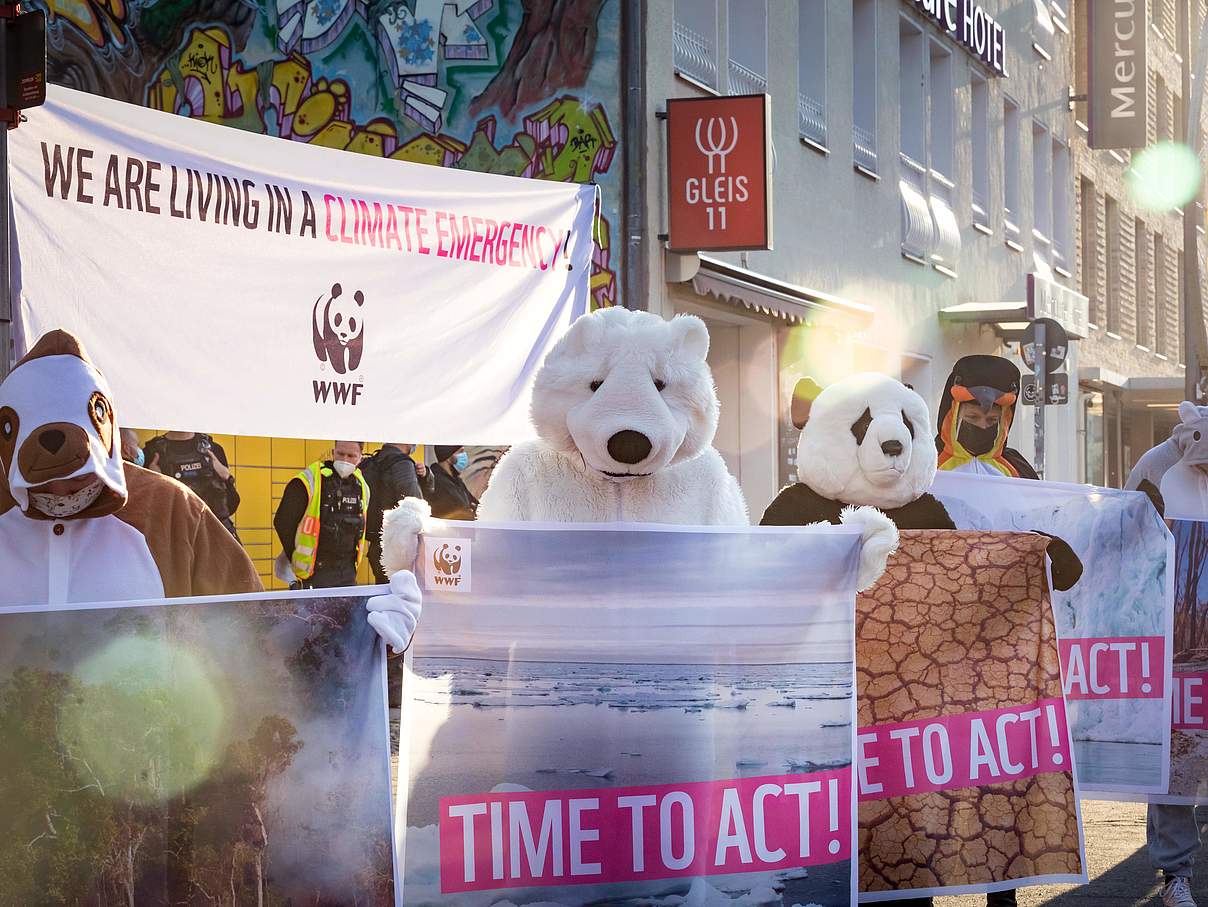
{"x":919,"y":179}
{"x":1130,"y":260}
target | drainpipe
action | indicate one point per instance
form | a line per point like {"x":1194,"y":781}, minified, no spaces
{"x":635,"y":268}
{"x":1195,"y":337}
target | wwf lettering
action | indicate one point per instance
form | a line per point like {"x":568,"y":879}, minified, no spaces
{"x":337,"y":392}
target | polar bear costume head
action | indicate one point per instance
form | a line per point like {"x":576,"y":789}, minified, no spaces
{"x":628,"y":392}
{"x":864,"y":440}
{"x":1190,"y":436}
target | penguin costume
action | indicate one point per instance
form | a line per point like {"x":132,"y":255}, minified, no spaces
{"x":976,"y":386}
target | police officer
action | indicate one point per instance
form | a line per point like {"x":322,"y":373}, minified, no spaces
{"x":201,"y":464}
{"x":322,"y":517}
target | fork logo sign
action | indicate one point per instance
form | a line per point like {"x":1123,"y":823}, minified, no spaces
{"x":719,"y":173}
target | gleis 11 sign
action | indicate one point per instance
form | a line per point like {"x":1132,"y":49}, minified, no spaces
{"x":719,"y":173}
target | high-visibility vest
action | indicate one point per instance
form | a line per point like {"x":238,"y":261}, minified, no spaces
{"x":306,"y":538}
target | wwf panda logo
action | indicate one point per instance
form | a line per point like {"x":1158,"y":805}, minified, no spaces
{"x":338,"y":325}
{"x":447,"y":561}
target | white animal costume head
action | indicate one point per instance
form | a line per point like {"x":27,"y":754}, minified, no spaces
{"x":865,"y":440}
{"x":628,"y":392}
{"x":57,"y":422}
{"x":1190,"y":436}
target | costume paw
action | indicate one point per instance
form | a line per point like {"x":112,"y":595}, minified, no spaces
{"x":394,"y":616}
{"x":401,"y":528}
{"x":879,"y":538}
{"x":1066,"y":566}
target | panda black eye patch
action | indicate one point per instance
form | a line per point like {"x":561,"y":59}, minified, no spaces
{"x":860,"y":426}
{"x":909,"y":424}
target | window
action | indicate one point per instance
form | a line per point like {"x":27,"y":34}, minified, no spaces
{"x":1159,"y":295}
{"x":1176,"y":310}
{"x":1062,"y":205}
{"x":1010,"y":169}
{"x":811,"y":70}
{"x":694,"y":40}
{"x":1144,"y":311}
{"x":1042,"y":189}
{"x":1178,"y":118}
{"x":1156,"y":14}
{"x":748,"y":46}
{"x":1090,"y":231}
{"x":1111,"y":288}
{"x":912,"y":94}
{"x":980,"y":90}
{"x":864,"y":84}
{"x":943,"y":143}
{"x":1161,"y":102}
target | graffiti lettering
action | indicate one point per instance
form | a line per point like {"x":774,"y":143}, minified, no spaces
{"x":202,"y":62}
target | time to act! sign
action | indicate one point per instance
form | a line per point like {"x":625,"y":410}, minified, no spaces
{"x":719,"y":173}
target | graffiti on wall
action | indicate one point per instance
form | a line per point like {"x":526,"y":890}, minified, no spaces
{"x":516,"y":87}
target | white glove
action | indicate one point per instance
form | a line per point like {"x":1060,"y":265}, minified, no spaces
{"x":394,"y":616}
{"x":401,"y":529}
{"x":879,"y":537}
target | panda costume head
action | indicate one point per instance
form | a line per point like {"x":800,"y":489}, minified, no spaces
{"x":865,"y":440}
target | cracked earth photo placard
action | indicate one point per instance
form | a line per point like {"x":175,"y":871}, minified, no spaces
{"x":965,"y":773}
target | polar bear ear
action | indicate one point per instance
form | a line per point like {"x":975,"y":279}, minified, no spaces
{"x":1188,"y":412}
{"x":691,"y":334}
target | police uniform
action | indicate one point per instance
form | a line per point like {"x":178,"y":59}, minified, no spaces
{"x":321,"y":523}
{"x":189,"y":463}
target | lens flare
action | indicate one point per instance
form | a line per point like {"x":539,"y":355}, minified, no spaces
{"x":1164,"y":176}
{"x":148,"y":723}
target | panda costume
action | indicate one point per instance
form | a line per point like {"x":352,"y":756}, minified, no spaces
{"x":865,"y":440}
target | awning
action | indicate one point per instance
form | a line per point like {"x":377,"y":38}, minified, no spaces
{"x":1137,"y":391}
{"x":769,"y":296}
{"x":1009,"y":319}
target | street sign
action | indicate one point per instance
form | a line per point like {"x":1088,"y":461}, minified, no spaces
{"x":1049,"y":299}
{"x":1058,"y":390}
{"x":1056,"y":342}
{"x":719,"y":173}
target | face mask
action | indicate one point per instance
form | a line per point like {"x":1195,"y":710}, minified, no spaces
{"x":461,"y":461}
{"x":343,"y":468}
{"x":65,"y":505}
{"x":978,"y":441}
{"x":140,"y":458}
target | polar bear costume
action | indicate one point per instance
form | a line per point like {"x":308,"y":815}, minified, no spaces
{"x":1178,"y":467}
{"x":625,"y":411}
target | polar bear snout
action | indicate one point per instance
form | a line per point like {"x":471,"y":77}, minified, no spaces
{"x":629,"y":447}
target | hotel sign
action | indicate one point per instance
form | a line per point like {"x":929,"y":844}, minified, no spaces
{"x":1117,"y":100}
{"x":966,"y":23}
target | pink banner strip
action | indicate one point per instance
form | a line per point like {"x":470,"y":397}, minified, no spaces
{"x":1187,"y":694}
{"x":573,"y":837}
{"x":1113,"y":667}
{"x":970,"y":749}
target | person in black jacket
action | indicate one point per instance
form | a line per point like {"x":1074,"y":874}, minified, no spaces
{"x":391,"y":475}
{"x":448,"y":495}
{"x":201,"y":464}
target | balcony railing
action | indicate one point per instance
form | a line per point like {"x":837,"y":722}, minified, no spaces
{"x":918,"y":229}
{"x":811,"y":118}
{"x":864,"y":148}
{"x":744,"y":80}
{"x":695,"y":56}
{"x":981,"y":208}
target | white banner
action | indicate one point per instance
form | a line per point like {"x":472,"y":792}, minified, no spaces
{"x":228,"y":282}
{"x":1115,"y":623}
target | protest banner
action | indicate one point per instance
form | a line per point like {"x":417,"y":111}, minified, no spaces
{"x":1114,"y":625}
{"x":1189,"y":715}
{"x":964,"y":768}
{"x":322,"y":293}
{"x":192,"y":751}
{"x":630,"y":715}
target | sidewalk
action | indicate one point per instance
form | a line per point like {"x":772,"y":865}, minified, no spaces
{"x":1120,"y":874}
